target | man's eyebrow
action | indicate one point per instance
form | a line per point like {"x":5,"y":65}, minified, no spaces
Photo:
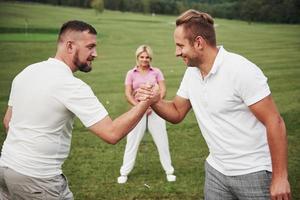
{"x":91,"y":45}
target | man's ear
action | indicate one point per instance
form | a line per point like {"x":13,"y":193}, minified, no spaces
{"x":70,"y":46}
{"x":199,"y":42}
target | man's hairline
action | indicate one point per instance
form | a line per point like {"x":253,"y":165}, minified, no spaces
{"x":184,"y":33}
{"x":67,"y":32}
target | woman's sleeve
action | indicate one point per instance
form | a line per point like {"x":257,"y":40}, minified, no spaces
{"x":128,"y":79}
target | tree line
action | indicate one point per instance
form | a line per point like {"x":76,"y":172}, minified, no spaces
{"x":277,"y":11}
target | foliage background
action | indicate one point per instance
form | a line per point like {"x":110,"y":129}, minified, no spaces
{"x":279,"y":11}
{"x":28,"y":34}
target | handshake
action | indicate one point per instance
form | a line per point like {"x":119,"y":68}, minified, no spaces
{"x":148,"y":92}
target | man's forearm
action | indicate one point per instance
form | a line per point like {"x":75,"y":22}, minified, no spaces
{"x":167,"y":110}
{"x":127,"y":121}
{"x":113,"y":131}
{"x":278,"y":147}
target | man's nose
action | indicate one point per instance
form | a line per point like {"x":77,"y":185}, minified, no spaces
{"x":178,"y":52}
{"x":94,"y":54}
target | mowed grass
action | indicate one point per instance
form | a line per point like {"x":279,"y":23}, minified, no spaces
{"x":28,"y":34}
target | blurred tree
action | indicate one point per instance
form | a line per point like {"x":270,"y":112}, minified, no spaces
{"x":145,"y":6}
{"x":249,"y":9}
{"x":182,"y":6}
{"x":98,"y":5}
{"x":111,"y":4}
{"x":278,"y":11}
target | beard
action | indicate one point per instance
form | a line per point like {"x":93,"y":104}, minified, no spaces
{"x":192,"y":59}
{"x":193,"y":62}
{"x":82,"y":66}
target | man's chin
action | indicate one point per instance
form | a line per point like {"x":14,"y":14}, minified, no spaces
{"x":85,"y":69}
{"x":189,"y":64}
{"x":186,"y":63}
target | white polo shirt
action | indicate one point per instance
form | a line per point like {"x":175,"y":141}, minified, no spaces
{"x":45,"y":97}
{"x":236,"y":140}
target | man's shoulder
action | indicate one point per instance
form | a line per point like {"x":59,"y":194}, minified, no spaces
{"x":29,"y":69}
{"x":231,"y":57}
{"x":34,"y":65}
{"x":72,"y":81}
{"x":238,"y":68}
{"x":234,"y":62}
{"x":69,"y":86}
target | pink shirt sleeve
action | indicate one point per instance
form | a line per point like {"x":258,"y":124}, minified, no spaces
{"x":160,"y":76}
{"x":129,"y":77}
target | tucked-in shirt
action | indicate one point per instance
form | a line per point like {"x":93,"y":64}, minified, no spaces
{"x":45,"y":97}
{"x":135,"y":78}
{"x":236,"y":139}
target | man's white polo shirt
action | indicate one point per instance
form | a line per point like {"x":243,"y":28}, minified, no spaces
{"x":45,"y":97}
{"x":236,"y":140}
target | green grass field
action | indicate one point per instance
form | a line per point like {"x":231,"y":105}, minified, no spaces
{"x":28,"y":34}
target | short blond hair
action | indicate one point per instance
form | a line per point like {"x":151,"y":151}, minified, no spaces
{"x":143,"y":48}
{"x":197,"y":23}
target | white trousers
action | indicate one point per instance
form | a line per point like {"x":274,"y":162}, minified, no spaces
{"x":157,"y":128}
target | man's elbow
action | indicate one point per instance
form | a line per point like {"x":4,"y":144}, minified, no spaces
{"x":281,"y":122}
{"x":112,"y":141}
{"x":111,"y":138}
{"x":276,"y":122}
{"x":176,"y":120}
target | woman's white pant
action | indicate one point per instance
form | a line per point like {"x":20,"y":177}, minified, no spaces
{"x":157,"y":128}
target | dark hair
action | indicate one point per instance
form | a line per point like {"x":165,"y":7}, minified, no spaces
{"x":197,"y":23}
{"x":75,"y":25}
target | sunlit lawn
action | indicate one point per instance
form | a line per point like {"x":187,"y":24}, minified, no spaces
{"x":28,"y":34}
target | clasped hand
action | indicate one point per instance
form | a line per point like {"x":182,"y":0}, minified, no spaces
{"x":148,"y":92}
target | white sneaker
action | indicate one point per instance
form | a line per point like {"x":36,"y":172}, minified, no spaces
{"x":122,"y":179}
{"x":171,"y":177}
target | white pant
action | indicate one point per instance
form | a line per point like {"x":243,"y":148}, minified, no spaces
{"x":157,"y":128}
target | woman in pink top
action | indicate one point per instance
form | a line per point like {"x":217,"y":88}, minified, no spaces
{"x":143,"y":73}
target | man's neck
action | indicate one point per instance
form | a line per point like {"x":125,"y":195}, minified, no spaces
{"x":209,"y":56}
{"x":67,"y":61}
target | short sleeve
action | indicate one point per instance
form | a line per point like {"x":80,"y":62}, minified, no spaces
{"x":12,"y":92}
{"x":183,"y":88}
{"x":252,"y":84}
{"x":81,"y":101}
{"x":129,"y":78}
{"x":160,"y":76}
{"x":11,"y":96}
